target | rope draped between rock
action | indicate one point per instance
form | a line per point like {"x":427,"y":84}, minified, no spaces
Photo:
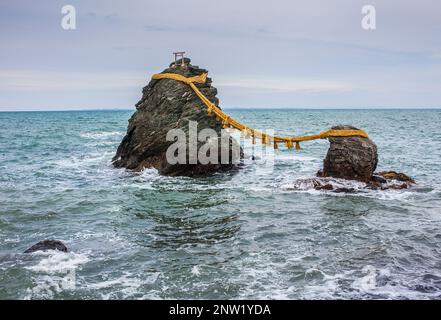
{"x":228,"y":122}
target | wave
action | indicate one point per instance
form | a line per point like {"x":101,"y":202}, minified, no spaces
{"x":55,"y":272}
{"x":304,"y":184}
{"x":102,"y":134}
{"x":56,"y":261}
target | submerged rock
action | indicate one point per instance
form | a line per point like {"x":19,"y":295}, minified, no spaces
{"x":47,"y":245}
{"x":353,"y":158}
{"x":328,"y":184}
{"x":168,"y":104}
{"x":338,"y":185}
{"x":392,"y":175}
{"x":390,"y":180}
{"x":378,"y":179}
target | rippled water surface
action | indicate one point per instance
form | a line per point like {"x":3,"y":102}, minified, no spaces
{"x":244,"y":235}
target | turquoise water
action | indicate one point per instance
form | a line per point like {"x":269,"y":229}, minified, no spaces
{"x":248,"y":235}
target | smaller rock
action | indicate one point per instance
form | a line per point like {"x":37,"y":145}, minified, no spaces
{"x":388,"y":180}
{"x":327,"y":186}
{"x":351,"y":158}
{"x":392,"y":175}
{"x":344,"y":190}
{"x":336,"y":185}
{"x":47,"y":245}
{"x":378,"y":179}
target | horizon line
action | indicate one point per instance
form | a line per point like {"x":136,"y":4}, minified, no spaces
{"x":234,"y":108}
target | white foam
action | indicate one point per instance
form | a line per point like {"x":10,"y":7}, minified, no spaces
{"x":293,"y":157}
{"x":101,"y":135}
{"x":196,"y":271}
{"x":363,"y":284}
{"x":77,"y":162}
{"x":58,"y":262}
{"x":55,"y":273}
{"x":126,"y":284}
{"x":16,"y":239}
{"x":149,"y":173}
{"x":304,"y":184}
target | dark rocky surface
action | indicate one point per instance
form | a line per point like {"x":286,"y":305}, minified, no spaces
{"x":393,"y":175}
{"x":169,"y":104}
{"x":338,"y":185}
{"x":353,"y":158}
{"x":47,"y":245}
{"x":178,"y":62}
{"x":390,"y":180}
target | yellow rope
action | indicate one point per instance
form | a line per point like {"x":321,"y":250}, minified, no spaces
{"x":227,"y":121}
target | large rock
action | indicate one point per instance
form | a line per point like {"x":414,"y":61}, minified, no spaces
{"x":353,"y":158}
{"x":169,"y":104}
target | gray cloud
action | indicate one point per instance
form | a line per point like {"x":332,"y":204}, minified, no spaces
{"x":316,"y":50}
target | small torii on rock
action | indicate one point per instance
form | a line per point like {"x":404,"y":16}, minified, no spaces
{"x":179,"y":55}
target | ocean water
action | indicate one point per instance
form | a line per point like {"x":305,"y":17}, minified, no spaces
{"x":229,"y":236}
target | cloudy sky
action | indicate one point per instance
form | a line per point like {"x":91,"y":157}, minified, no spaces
{"x":273,"y":54}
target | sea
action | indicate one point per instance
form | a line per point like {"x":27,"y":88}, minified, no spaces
{"x":240,"y":235}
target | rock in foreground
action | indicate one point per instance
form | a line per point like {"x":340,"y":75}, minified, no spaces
{"x":168,"y":104}
{"x":47,"y":245}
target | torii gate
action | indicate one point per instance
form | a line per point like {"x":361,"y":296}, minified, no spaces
{"x":179,"y":54}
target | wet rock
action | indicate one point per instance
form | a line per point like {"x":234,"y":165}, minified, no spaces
{"x":168,"y":104}
{"x":392,"y":175}
{"x":312,"y":183}
{"x":353,"y":158}
{"x":47,"y":245}
{"x":378,"y":179}
{"x":327,"y":184}
{"x":338,"y":185}
{"x":390,"y":180}
{"x":356,"y":158}
{"x":344,"y":190}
